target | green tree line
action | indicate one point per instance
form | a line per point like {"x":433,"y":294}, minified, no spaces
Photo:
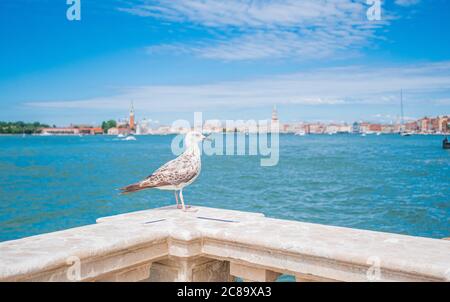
{"x":108,"y":125}
{"x":21,"y":127}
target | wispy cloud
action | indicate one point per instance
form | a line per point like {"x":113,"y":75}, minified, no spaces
{"x":425,"y":84}
{"x":249,"y":30}
{"x":407,"y":2}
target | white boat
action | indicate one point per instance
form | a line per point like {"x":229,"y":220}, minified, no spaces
{"x":120,"y":135}
{"x":363,"y":134}
{"x":300,"y":133}
{"x":129,"y":138}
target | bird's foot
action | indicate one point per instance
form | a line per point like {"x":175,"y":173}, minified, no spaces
{"x":180,"y":207}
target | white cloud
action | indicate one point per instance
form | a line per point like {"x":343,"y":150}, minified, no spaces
{"x":249,"y":29}
{"x":248,"y":13}
{"x":427,"y":83}
{"x":444,"y":101}
{"x":406,"y":2}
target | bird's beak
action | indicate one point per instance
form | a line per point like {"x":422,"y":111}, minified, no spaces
{"x":207,"y":138}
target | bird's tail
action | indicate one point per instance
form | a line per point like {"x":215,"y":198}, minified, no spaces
{"x":133,"y":188}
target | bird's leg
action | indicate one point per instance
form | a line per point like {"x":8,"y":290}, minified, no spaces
{"x":182,"y":200}
{"x":179,"y":206}
{"x":176,"y":198}
{"x":183,"y":206}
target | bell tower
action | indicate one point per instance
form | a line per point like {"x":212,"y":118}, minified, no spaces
{"x":132,"y":122}
{"x":274,"y":114}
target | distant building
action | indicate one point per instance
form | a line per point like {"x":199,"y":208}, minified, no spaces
{"x":294,"y":128}
{"x":424,"y":125}
{"x":364,"y":127}
{"x":213,"y":126}
{"x":316,"y":128}
{"x":124,"y":130}
{"x":143,"y":127}
{"x":179,"y":129}
{"x":307,"y":128}
{"x":97,"y":130}
{"x":388,"y":128}
{"x":398,"y":128}
{"x":332,"y":128}
{"x":74,"y":130}
{"x":122,"y":123}
{"x":375,"y":128}
{"x":440,"y":124}
{"x":90,"y":130}
{"x":163,"y":130}
{"x":344,"y":128}
{"x":443,"y":125}
{"x":275,"y":114}
{"x":434,"y":125}
{"x":275,"y":122}
{"x":113,"y":131}
{"x":411,"y":127}
{"x":356,"y":128}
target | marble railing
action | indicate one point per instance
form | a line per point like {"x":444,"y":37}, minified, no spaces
{"x":208,"y":244}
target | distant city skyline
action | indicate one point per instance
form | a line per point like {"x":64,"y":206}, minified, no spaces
{"x":231,"y":59}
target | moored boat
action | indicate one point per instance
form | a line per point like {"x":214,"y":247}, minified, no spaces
{"x":446,"y":144}
{"x":130,"y":138}
{"x":300,"y":133}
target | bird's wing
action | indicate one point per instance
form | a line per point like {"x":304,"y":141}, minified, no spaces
{"x":173,"y":173}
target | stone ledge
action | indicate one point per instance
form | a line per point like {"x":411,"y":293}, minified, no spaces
{"x":109,"y":249}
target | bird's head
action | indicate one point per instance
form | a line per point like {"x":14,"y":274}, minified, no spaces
{"x":193,"y":138}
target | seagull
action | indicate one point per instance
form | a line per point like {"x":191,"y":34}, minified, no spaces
{"x":176,"y":174}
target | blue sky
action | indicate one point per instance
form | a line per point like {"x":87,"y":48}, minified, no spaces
{"x":234,"y":59}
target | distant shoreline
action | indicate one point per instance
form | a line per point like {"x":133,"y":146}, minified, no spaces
{"x":167,"y":134}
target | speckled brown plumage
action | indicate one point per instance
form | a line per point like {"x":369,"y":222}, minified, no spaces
{"x":173,"y":175}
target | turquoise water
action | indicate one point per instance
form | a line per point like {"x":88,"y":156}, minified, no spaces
{"x":385,"y":183}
